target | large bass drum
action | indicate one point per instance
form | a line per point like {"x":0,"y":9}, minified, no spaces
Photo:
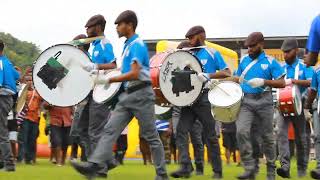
{"x":58,"y":75}
{"x":174,"y":78}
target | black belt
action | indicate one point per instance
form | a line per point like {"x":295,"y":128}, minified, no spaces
{"x":137,"y":87}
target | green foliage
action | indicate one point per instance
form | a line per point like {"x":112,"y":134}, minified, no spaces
{"x":21,"y":53}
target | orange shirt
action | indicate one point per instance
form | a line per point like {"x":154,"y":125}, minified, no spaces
{"x":60,"y":116}
{"x":33,"y":104}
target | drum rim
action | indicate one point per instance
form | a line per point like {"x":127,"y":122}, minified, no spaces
{"x":33,"y":66}
{"x":169,"y":109}
{"x":113,"y":94}
{"x":240,"y":100}
{"x":203,"y":84}
{"x":296,"y":92}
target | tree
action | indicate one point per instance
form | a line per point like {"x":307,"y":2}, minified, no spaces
{"x":21,"y":53}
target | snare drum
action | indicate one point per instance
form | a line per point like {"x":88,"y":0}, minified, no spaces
{"x":172,"y":79}
{"x":58,"y":75}
{"x":225,"y":99}
{"x":289,"y":101}
{"x":107,"y":93}
{"x":163,"y":113}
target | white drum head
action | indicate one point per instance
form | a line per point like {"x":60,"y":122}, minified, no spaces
{"x":161,"y":110}
{"x":74,"y":86}
{"x":174,"y":63}
{"x":225,"y":94}
{"x":103,"y":93}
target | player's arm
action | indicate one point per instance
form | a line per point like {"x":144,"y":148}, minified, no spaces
{"x":133,"y":74}
{"x":304,"y":83}
{"x":277,"y":83}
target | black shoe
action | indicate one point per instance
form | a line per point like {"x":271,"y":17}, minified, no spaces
{"x":271,"y":176}
{"x":184,"y":171}
{"x":315,"y":174}
{"x":284,"y":173}
{"x":199,"y":169}
{"x":102,"y":175}
{"x":248,"y":175}
{"x":89,"y":170}
{"x":162,"y":177}
{"x":217,"y":175}
{"x":10,"y":168}
{"x":112,"y":164}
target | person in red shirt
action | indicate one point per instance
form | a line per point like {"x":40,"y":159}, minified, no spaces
{"x":60,"y":124}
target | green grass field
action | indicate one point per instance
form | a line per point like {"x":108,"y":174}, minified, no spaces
{"x":132,"y":170}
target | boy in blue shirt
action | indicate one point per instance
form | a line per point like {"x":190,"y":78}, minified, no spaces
{"x":136,"y":100}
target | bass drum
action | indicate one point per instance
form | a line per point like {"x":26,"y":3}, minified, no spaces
{"x":58,"y":75}
{"x":174,"y":78}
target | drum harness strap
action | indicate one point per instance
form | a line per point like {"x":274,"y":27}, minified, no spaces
{"x":296,"y":72}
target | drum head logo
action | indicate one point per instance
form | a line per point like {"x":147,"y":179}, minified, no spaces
{"x":264,"y":66}
{"x":52,"y":72}
{"x":181,"y":80}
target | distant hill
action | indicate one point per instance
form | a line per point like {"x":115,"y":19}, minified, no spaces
{"x":21,"y":53}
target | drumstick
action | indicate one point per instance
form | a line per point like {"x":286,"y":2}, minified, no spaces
{"x":216,"y":85}
{"x":85,"y":41}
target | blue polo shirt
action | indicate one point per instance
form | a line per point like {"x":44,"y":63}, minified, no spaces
{"x":304,"y":72}
{"x":136,"y":51}
{"x":102,"y":52}
{"x":8,"y":74}
{"x":313,"y":44}
{"x":211,"y":60}
{"x":266,"y":68}
{"x":315,"y":82}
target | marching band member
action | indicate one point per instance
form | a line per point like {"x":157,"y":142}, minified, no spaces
{"x":101,"y":55}
{"x":296,"y":74}
{"x":255,"y":73}
{"x":79,"y":126}
{"x":8,"y":78}
{"x":195,"y":131}
{"x":136,"y":100}
{"x":212,"y":62}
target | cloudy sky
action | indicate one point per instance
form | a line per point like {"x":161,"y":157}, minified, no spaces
{"x":48,"y":22}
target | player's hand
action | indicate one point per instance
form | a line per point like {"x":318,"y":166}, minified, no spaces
{"x":256,"y":82}
{"x":89,"y":66}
